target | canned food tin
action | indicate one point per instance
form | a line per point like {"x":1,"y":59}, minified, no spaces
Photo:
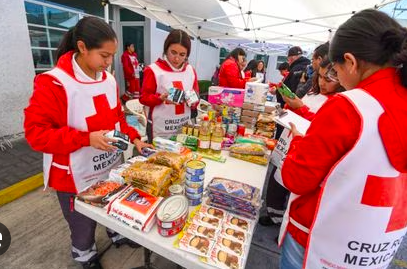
{"x":195,"y":202}
{"x":172,"y":212}
{"x":171,"y":231}
{"x":176,"y":189}
{"x":196,"y":167}
{"x":194,"y":178}
{"x":194,"y":184}
{"x":193,"y":190}
{"x":194,"y":196}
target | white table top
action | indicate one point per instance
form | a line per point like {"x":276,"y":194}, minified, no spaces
{"x":235,"y":169}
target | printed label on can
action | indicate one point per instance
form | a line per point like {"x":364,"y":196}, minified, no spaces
{"x":194,"y":184}
{"x":194,"y":178}
{"x":170,"y":231}
{"x":194,"y":202}
{"x":194,"y":195}
{"x":193,"y":190}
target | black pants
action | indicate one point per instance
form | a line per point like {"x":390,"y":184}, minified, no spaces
{"x":82,"y":230}
{"x":276,"y":199}
{"x":277,"y":195}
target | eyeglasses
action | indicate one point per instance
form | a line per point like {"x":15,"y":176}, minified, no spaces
{"x":331,"y":75}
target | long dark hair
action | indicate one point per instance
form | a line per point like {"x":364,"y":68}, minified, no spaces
{"x":374,"y":37}
{"x":90,"y":30}
{"x":264,"y":66}
{"x":251,"y":66}
{"x":178,"y":36}
{"x":321,"y":51}
{"x":236,"y":52}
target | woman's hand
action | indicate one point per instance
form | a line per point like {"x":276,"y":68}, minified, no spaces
{"x":294,"y":131}
{"x":140,"y":145}
{"x":293,"y":103}
{"x":98,"y":140}
{"x":252,"y":79}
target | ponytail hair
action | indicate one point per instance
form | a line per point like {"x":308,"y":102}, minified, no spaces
{"x":374,"y":37}
{"x":90,"y":30}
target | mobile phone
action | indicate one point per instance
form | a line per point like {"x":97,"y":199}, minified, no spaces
{"x":122,"y":139}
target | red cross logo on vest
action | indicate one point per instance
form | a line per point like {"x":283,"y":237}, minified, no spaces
{"x":179,"y":109}
{"x":388,"y":192}
{"x":105,"y":117}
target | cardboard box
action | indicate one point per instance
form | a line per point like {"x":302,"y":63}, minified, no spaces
{"x":250,"y":113}
{"x":269,"y":109}
{"x":227,"y":96}
{"x":256,"y":93}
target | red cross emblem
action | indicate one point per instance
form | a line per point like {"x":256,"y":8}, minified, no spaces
{"x":105,"y":117}
{"x":388,"y":192}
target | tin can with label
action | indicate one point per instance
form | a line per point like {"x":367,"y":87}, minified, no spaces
{"x":173,"y":212}
{"x":195,"y":202}
{"x":193,"y":184}
{"x":194,"y":178}
{"x":196,"y":167}
{"x":194,"y":196}
{"x":171,"y":231}
{"x":176,"y":189}
{"x":190,"y":190}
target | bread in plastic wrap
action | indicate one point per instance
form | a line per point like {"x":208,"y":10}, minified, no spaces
{"x":170,"y":159}
{"x":150,"y":174}
{"x":250,"y":149}
{"x":250,"y":158}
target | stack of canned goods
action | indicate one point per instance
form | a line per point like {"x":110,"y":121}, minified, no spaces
{"x":172,"y":215}
{"x":194,"y":182}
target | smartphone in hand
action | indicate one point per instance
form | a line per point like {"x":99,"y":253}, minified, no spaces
{"x":285,"y":91}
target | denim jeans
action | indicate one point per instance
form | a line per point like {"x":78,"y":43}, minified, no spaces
{"x":292,"y":254}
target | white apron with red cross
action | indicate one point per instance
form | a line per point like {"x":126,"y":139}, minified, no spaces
{"x":88,"y":104}
{"x":168,"y":118}
{"x":361,"y":217}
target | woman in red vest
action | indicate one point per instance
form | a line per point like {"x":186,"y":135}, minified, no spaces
{"x":72,"y":107}
{"x":348,"y":174}
{"x":230,"y":74}
{"x":170,"y":72}
{"x":131,"y":73}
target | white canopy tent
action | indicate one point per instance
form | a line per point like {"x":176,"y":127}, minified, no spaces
{"x":261,"y":26}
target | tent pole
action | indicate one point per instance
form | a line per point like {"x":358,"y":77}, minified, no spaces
{"x":106,"y":7}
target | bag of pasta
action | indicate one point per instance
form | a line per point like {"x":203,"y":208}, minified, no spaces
{"x":147,"y":174}
{"x":250,"y":149}
{"x":250,"y":158}
{"x":170,"y":159}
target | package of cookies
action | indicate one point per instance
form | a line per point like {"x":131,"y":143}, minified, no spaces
{"x":238,"y":223}
{"x":212,"y":212}
{"x":234,"y":234}
{"x":221,"y":258}
{"x":231,"y":245}
{"x":195,"y":244}
{"x":202,"y":230}
{"x":207,"y":220}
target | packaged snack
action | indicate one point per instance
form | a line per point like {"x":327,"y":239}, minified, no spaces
{"x":167,"y":145}
{"x":238,"y":223}
{"x":207,"y":221}
{"x":235,"y":189}
{"x":233,"y":234}
{"x":231,"y":245}
{"x":195,"y":244}
{"x":191,"y":97}
{"x":202,"y":230}
{"x":250,"y":158}
{"x":176,"y":95}
{"x":247,"y":148}
{"x":212,"y":212}
{"x":170,"y":159}
{"x":250,"y":140}
{"x":223,"y":259}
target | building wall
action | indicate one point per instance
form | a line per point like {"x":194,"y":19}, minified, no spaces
{"x":16,"y":68}
{"x":273,"y":74}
